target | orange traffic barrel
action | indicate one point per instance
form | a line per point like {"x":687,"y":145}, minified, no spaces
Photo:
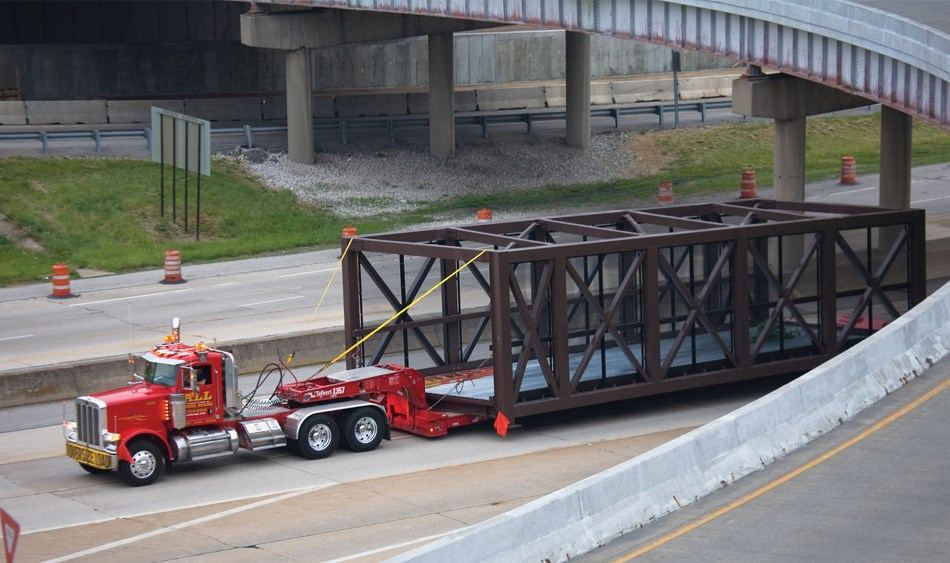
{"x":483,"y":214}
{"x":349,"y":231}
{"x":849,"y":173}
{"x":61,"y":282}
{"x":173,"y":267}
{"x":664,"y":193}
{"x":748,"y":188}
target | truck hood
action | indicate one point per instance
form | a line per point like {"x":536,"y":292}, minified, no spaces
{"x":133,"y":394}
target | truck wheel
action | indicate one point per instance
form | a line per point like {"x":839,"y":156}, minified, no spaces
{"x":93,"y":470}
{"x":318,"y":437}
{"x":363,"y":429}
{"x":146,"y":465}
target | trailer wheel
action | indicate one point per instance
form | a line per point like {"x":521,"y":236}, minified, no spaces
{"x":93,"y":470}
{"x":147,"y":463}
{"x":363,"y":429}
{"x":318,"y":437}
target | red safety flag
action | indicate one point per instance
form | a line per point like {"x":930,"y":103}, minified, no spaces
{"x":501,"y":424}
{"x":11,"y":533}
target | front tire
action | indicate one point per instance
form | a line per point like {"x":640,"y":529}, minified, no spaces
{"x":318,"y":437}
{"x":147,"y":463}
{"x":363,"y":429}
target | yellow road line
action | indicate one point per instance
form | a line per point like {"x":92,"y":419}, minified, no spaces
{"x":883,"y":423}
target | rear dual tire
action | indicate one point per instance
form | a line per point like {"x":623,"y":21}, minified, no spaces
{"x":360,"y":430}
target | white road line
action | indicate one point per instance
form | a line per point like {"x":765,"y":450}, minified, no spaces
{"x":930,"y":199}
{"x":391,"y":546}
{"x":272,"y":301}
{"x":226,"y":284}
{"x":17,"y":337}
{"x":844,"y":193}
{"x":308,"y":272}
{"x":130,"y":297}
{"x":186,"y":524}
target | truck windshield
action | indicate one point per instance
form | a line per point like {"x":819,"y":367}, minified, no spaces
{"x":161,"y":374}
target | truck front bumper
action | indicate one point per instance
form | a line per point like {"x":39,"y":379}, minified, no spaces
{"x":91,"y":456}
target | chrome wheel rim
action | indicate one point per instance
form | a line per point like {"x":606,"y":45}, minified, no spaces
{"x":365,"y":430}
{"x":319,"y":437}
{"x":143,"y":464}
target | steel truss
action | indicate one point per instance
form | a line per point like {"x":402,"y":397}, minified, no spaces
{"x":582,"y":309}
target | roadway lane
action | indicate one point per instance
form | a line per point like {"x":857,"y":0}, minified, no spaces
{"x":267,"y":296}
{"x":875,"y":489}
{"x":47,"y":491}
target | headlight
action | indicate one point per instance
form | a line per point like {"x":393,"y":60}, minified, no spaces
{"x":111,"y":437}
{"x":69,"y":429}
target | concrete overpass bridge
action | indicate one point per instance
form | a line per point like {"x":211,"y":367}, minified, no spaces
{"x":830,"y":54}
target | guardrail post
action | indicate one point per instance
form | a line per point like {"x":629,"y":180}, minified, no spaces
{"x":44,"y":139}
{"x":147,"y":133}
{"x":616,"y":113}
{"x":702,"y":111}
{"x":343,"y":131}
{"x":528,"y":121}
{"x":392,"y":131}
{"x":659,"y":113}
{"x":248,"y":139}
{"x":481,"y":119}
{"x":97,"y":137}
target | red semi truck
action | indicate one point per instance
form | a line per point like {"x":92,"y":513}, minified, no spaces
{"x":184,"y":405}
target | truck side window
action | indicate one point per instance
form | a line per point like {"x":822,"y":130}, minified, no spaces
{"x":203,"y":374}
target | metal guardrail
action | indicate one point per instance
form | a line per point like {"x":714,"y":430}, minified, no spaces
{"x":346,"y":126}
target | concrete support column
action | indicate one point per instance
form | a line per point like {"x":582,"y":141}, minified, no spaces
{"x":299,"y":107}
{"x":789,"y":180}
{"x":577,"y":88}
{"x":895,"y":158}
{"x":896,"y":145}
{"x":441,"y":94}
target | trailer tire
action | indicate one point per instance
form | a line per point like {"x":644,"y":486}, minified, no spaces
{"x":318,"y":437}
{"x":148,"y":461}
{"x":363,"y":429}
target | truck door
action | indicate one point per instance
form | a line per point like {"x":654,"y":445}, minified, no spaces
{"x":204,"y":405}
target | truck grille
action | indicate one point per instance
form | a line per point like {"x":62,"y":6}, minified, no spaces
{"x":90,"y":419}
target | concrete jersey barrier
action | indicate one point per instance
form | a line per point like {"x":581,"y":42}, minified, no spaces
{"x":592,"y":512}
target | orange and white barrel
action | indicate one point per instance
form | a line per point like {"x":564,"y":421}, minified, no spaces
{"x":61,"y":281}
{"x":483,"y":215}
{"x":849,"y":172}
{"x":748,"y":188}
{"x":173,"y":267}
{"x":664,"y":193}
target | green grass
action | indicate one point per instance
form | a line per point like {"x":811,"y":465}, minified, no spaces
{"x":103,"y":213}
{"x":709,"y":160}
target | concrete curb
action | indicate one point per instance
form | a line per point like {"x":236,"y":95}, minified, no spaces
{"x":69,"y":380}
{"x":592,"y":512}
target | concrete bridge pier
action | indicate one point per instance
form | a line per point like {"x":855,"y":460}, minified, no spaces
{"x":442,"y":94}
{"x":577,"y":88}
{"x":296,"y":31}
{"x":299,"y":106}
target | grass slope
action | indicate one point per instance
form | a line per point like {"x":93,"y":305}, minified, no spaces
{"x":103,"y":213}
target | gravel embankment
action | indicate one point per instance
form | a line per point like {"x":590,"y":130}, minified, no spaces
{"x":371,"y":181}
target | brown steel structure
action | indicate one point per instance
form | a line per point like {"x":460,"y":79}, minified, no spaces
{"x":583,"y":309}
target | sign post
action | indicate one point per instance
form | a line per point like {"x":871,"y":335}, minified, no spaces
{"x":184,"y":142}
{"x":11,"y":533}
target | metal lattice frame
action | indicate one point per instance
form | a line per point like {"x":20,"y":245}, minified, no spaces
{"x":574,"y":302}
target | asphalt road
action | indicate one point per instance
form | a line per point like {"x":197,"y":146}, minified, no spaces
{"x":875,"y":489}
{"x":378,"y":498}
{"x":262,"y":297}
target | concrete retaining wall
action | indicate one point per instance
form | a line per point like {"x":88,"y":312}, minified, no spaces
{"x":66,"y":381}
{"x":594,"y":511}
{"x":365,"y":102}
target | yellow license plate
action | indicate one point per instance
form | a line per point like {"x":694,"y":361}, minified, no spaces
{"x":88,"y":456}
